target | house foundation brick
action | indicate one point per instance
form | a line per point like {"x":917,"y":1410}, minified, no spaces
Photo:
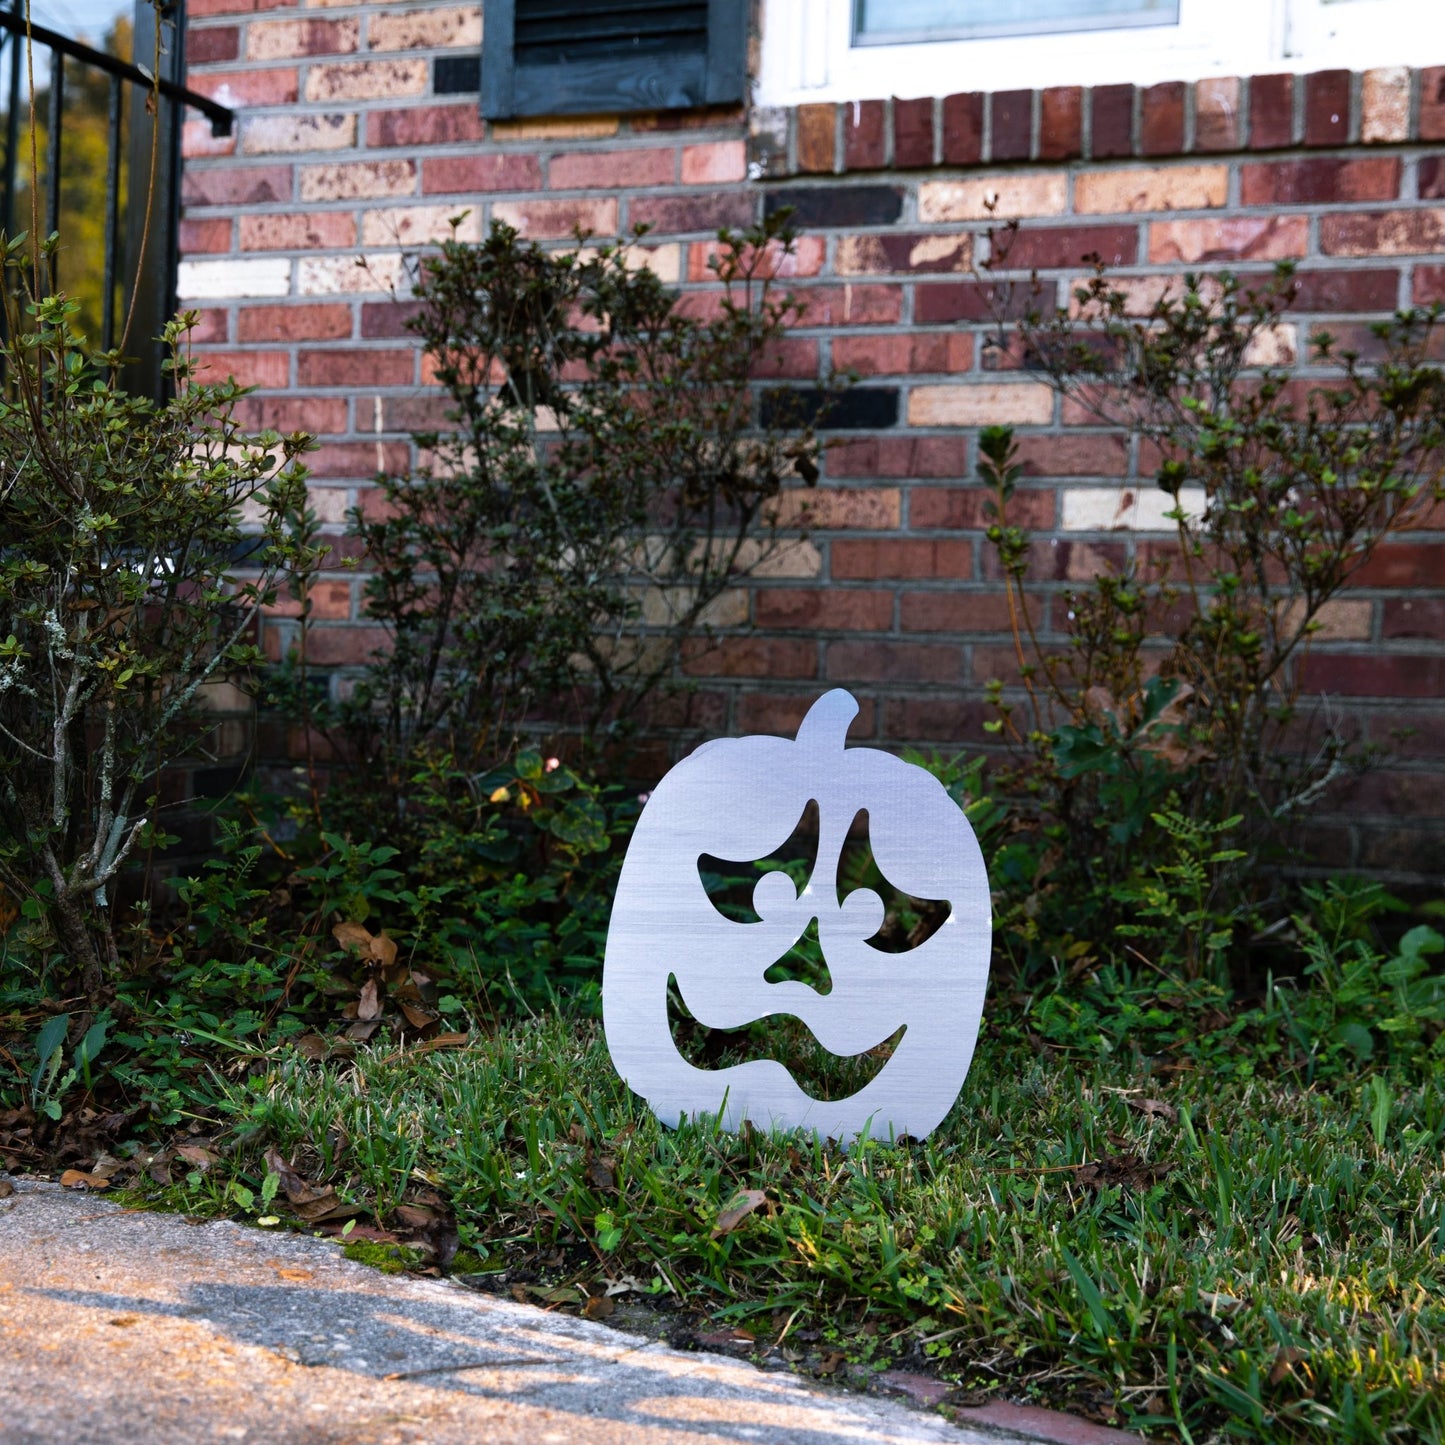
{"x":1061,"y":123}
{"x":816,"y":138}
{"x":470,"y":173}
{"x":913,"y":133}
{"x":1318,"y":180}
{"x":356,"y":368}
{"x":282,"y":134}
{"x":366,"y":80}
{"x":314,"y":231}
{"x":1218,"y":114}
{"x":427,"y":125}
{"x":205,"y":236}
{"x":865,"y":138}
{"x":1327,"y":108}
{"x":357,"y":180}
{"x":1112,"y":113}
{"x":1162,"y":188}
{"x":549,"y":219}
{"x":1011,"y":125}
{"x":963,"y":129}
{"x":612,"y":170}
{"x":1030,"y":194}
{"x":245,"y":88}
{"x":290,"y":39}
{"x":237,"y":185}
{"x":1385,"y":105}
{"x":1238,"y":238}
{"x":1271,"y":112}
{"x":419,"y":225}
{"x":1161,"y":131}
{"x":457,"y":28}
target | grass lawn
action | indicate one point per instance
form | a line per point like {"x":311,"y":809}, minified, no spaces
{"x":1192,"y":1251}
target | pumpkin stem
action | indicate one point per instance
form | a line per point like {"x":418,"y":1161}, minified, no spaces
{"x":828,"y":720}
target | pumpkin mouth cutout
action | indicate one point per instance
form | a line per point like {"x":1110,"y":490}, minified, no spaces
{"x":823,"y":1076}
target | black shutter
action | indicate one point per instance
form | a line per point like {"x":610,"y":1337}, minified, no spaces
{"x":570,"y":57}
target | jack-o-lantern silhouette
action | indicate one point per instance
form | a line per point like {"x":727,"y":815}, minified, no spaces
{"x":739,"y":799}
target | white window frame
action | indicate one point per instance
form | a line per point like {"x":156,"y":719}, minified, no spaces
{"x":1361,"y":34}
{"x":808,"y":54}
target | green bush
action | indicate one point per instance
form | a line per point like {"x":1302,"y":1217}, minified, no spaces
{"x":604,"y":476}
{"x":1170,"y":723}
{"x":139,"y":541}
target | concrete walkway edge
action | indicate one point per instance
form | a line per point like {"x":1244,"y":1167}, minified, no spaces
{"x":120,"y":1325}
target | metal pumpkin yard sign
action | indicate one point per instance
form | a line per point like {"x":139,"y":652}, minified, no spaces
{"x":740,"y":799}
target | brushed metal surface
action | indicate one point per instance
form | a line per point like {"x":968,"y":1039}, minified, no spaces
{"x":740,"y":799}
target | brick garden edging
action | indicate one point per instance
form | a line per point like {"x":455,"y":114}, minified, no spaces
{"x":351,"y":144}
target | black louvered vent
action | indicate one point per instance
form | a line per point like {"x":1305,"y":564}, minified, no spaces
{"x":551,"y":32}
{"x":554,"y":57}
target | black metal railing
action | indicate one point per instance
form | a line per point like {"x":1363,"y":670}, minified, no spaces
{"x":141,"y":223}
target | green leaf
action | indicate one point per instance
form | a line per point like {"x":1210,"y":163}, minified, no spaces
{"x":1423,"y":939}
{"x":49,"y":1040}
{"x":1381,"y":1103}
{"x":92,"y":1043}
{"x":1357,"y":1037}
{"x":1098,"y":1310}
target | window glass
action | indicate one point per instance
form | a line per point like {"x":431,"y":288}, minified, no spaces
{"x":886,"y":21}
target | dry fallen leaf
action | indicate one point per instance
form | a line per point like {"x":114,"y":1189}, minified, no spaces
{"x":312,"y":1202}
{"x":368,"y":1006}
{"x":602,"y":1173}
{"x":353,"y":936}
{"x":74,"y":1179}
{"x":734,"y":1339}
{"x":742,"y":1205}
{"x":437,"y":1041}
{"x":417,"y":1015}
{"x":1285,"y":1360}
{"x":372,"y":1233}
{"x":1126,"y":1171}
{"x":1154,"y":1108}
{"x":557,"y":1295}
{"x":329,"y":1206}
{"x":375,"y":947}
{"x":297,"y":1189}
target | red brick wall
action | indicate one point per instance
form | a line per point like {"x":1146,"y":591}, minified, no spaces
{"x":344,"y":150}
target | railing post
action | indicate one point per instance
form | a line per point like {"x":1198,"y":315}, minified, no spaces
{"x":12,"y":120}
{"x":112,"y":214}
{"x":56,"y":124}
{"x":153,"y":232}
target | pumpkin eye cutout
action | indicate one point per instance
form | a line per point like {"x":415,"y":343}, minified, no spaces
{"x":902,"y":922}
{"x":734,"y":887}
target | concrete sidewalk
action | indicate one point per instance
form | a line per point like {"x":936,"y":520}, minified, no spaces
{"x":120,"y":1326}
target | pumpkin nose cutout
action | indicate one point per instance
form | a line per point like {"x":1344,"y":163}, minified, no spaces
{"x":805,"y":963}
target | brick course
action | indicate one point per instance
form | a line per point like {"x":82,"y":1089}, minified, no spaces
{"x":346,"y":154}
